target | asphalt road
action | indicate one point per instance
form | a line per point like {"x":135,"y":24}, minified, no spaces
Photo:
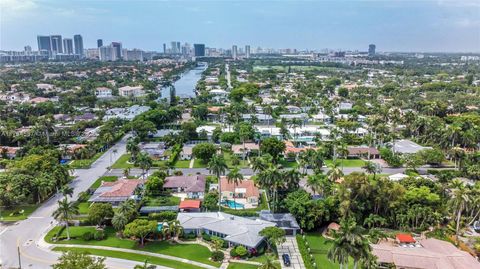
{"x":24,"y":236}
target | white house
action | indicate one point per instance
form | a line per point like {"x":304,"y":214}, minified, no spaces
{"x":129,"y":91}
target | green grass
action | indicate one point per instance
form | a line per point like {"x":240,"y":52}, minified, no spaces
{"x":192,"y":252}
{"x":98,"y":182}
{"x":319,"y":246}
{"x":83,"y":208}
{"x":197,"y":163}
{"x":162,"y":201}
{"x":347,"y":162}
{"x":121,"y":163}
{"x":28,"y":209}
{"x":131,"y":256}
{"x":288,"y":164}
{"x":85,"y":163}
{"x":228,"y":159}
{"x":182,"y":164}
{"x":234,"y":265}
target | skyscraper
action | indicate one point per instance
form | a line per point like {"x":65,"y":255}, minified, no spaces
{"x":371,"y":49}
{"x":164,"y":48}
{"x":57,"y":44}
{"x":107,"y":53}
{"x":68,"y":45}
{"x":99,"y":43}
{"x":234,"y":52}
{"x":199,"y":50}
{"x":117,"y":46}
{"x":44,"y":43}
{"x":78,"y":40}
{"x":247,"y":51}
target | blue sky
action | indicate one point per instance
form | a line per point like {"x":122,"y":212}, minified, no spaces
{"x":393,"y":25}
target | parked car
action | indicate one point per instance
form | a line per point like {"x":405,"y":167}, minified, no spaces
{"x":286,"y":259}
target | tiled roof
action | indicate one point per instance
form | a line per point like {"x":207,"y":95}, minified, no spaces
{"x":188,"y":183}
{"x":250,"y":189}
{"x":189,"y":204}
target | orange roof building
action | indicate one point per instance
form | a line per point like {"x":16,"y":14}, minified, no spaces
{"x":190,"y":206}
{"x":405,"y":239}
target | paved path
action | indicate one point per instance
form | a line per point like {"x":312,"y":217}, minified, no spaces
{"x":27,"y":233}
{"x":290,"y":247}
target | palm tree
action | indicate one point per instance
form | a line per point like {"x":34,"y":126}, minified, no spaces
{"x":132,"y":147}
{"x":145,"y":266}
{"x":371,"y":168}
{"x":67,"y":191}
{"x":335,"y":173}
{"x":173,"y":229}
{"x":291,"y":179}
{"x":314,"y":183}
{"x":459,"y":202}
{"x":126,"y":172}
{"x":127,"y":208}
{"x":64,"y":212}
{"x":119,"y":221}
{"x":144,"y":162}
{"x":269,"y":263}
{"x":270,"y":179}
{"x":234,"y":177}
{"x":218,"y":166}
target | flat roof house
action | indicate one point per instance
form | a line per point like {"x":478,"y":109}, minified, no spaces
{"x":129,"y":91}
{"x":284,"y":221}
{"x":192,"y":186}
{"x":233,"y":229}
{"x":117,"y":191}
{"x":155,"y":150}
{"x":405,"y":146}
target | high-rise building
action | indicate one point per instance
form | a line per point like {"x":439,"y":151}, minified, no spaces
{"x":247,"y":51}
{"x":164,"y":48}
{"x":99,"y":43}
{"x":117,"y":46}
{"x":107,"y":53}
{"x":179,"y":49}
{"x":44,"y":43}
{"x":234,"y":52}
{"x":371,"y":49}
{"x":173,"y":47}
{"x":78,"y":40}
{"x":68,"y":45}
{"x":199,"y":50}
{"x":27,"y":49}
{"x":57,"y":44}
{"x":132,"y":55}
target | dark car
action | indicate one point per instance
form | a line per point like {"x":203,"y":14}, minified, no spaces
{"x":286,"y":259}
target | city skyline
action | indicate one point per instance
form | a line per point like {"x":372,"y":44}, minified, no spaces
{"x":423,"y":26}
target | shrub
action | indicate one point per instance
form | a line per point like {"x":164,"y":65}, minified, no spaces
{"x":163,"y":216}
{"x":99,"y":235}
{"x":241,"y":251}
{"x":206,"y":237}
{"x":233,"y":252}
{"x":217,"y":256}
{"x":189,"y":236}
{"x":87,"y":236}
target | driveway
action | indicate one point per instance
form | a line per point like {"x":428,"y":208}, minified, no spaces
{"x":290,"y":247}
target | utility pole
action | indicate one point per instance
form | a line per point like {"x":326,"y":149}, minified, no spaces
{"x":19,"y":258}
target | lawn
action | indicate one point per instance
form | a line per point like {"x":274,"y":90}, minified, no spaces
{"x":85,"y":163}
{"x":14,"y":212}
{"x":347,"y":162}
{"x":192,"y":252}
{"x":182,"y":164}
{"x":228,"y":159}
{"x":122,"y":162}
{"x":288,"y":164}
{"x":98,"y":182}
{"x":197,"y":163}
{"x":131,"y":256}
{"x":234,"y":265}
{"x":319,"y":247}
{"x":162,"y":201}
{"x":83,"y":208}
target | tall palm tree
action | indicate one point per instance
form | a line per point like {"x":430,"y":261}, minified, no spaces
{"x":270,"y":263}
{"x":460,"y":199}
{"x":270,"y":179}
{"x":144,"y":162}
{"x":145,"y":266}
{"x":132,"y":147}
{"x":119,"y":221}
{"x":371,"y":168}
{"x":67,"y":191}
{"x":64,"y":212}
{"x":314,"y":183}
{"x":234,"y":177}
{"x":218,"y":166}
{"x":335,"y":173}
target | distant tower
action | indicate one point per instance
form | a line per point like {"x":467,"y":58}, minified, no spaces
{"x":371,"y":49}
{"x":164,"y":48}
{"x":199,"y":50}
{"x":68,"y":45}
{"x":44,"y":43}
{"x":234,"y":52}
{"x":57,"y":44}
{"x":28,"y":49}
{"x":78,"y":41}
{"x":247,"y":51}
{"x":99,"y":43}
{"x":117,"y":47}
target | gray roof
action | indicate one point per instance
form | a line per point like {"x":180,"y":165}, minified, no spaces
{"x":405,"y":146}
{"x":156,"y":209}
{"x":238,"y":230}
{"x":194,"y":183}
{"x":283,"y":220}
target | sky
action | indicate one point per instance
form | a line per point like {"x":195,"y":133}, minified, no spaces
{"x":393,"y":25}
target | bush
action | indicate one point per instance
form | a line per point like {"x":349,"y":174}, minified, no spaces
{"x":206,"y":237}
{"x":163,"y":216}
{"x":217,"y":256}
{"x":99,"y":235}
{"x":189,"y":236}
{"x":87,"y":236}
{"x":233,"y":252}
{"x":241,"y":251}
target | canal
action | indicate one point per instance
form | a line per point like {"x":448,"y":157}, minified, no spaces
{"x":185,"y":86}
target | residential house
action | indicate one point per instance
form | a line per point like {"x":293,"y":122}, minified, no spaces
{"x":261,"y":118}
{"x":233,"y":229}
{"x":189,"y":206}
{"x":284,"y":221}
{"x":117,"y":191}
{"x":9,"y":152}
{"x":247,"y":149}
{"x":129,"y":91}
{"x":405,"y":146}
{"x":246,"y":194}
{"x":103,"y":92}
{"x":156,"y":150}
{"x":363,"y":152}
{"x":186,"y":153}
{"x":192,"y":186}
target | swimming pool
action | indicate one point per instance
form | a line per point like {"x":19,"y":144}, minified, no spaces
{"x":233,"y":204}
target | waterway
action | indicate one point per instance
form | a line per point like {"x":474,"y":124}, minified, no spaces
{"x":185,"y":85}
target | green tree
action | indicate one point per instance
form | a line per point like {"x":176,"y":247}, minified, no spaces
{"x":64,"y":212}
{"x":119,"y":221}
{"x":144,"y":162}
{"x":145,"y":266}
{"x":218,"y":166}
{"x":204,"y":151}
{"x":79,"y":260}
{"x":210,"y":201}
{"x":235,"y":177}
{"x":140,"y":228}
{"x":274,"y":147}
{"x":99,"y":212}
{"x":270,"y":263}
{"x":273,"y":235}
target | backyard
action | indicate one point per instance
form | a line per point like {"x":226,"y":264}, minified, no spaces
{"x":319,"y":246}
{"x":347,"y":162}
